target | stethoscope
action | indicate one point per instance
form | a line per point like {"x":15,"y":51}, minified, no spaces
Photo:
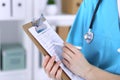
{"x":89,"y":35}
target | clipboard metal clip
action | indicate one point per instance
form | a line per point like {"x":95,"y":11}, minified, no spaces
{"x":39,"y":24}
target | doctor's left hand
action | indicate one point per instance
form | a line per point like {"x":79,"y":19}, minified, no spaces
{"x":75,"y":61}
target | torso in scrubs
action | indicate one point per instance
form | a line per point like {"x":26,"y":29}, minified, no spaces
{"x":104,"y":50}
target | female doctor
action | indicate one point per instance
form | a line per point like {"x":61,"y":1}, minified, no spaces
{"x":97,"y":30}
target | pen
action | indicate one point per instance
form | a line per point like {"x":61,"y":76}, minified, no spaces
{"x":78,"y":47}
{"x":58,"y":44}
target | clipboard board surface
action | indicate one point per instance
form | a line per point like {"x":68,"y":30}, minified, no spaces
{"x":40,"y":48}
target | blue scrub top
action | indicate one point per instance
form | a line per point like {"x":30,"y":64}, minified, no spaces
{"x":103,"y":50}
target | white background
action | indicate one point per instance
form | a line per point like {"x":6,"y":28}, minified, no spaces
{"x":11,"y":32}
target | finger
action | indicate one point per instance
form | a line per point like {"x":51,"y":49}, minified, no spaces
{"x":66,"y":63}
{"x":71,"y":47}
{"x":59,"y":73}
{"x":50,"y":65}
{"x":54,"y":69}
{"x":66,"y":56}
{"x":68,"y":52}
{"x":46,"y":59}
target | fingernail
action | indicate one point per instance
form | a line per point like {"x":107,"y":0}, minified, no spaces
{"x":62,"y":60}
{"x":59,"y":62}
{"x":53,"y":57}
{"x":46,"y":57}
{"x":64,"y":43}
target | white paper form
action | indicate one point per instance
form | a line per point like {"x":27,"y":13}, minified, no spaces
{"x":47,"y":37}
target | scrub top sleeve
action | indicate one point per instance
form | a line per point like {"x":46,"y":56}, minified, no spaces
{"x":75,"y":36}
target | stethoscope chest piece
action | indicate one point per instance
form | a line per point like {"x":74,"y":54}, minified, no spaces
{"x":88,"y":36}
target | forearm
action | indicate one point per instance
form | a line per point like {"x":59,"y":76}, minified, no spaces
{"x":98,"y":74}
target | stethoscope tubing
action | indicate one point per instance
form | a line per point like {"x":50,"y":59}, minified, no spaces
{"x":89,"y":35}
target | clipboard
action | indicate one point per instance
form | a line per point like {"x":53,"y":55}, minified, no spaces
{"x":26,"y":27}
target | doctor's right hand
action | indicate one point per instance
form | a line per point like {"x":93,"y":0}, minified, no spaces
{"x":53,"y":70}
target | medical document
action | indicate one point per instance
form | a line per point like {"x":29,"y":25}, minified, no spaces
{"x":48,"y":38}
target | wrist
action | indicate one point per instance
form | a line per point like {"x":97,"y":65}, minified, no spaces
{"x":88,"y":72}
